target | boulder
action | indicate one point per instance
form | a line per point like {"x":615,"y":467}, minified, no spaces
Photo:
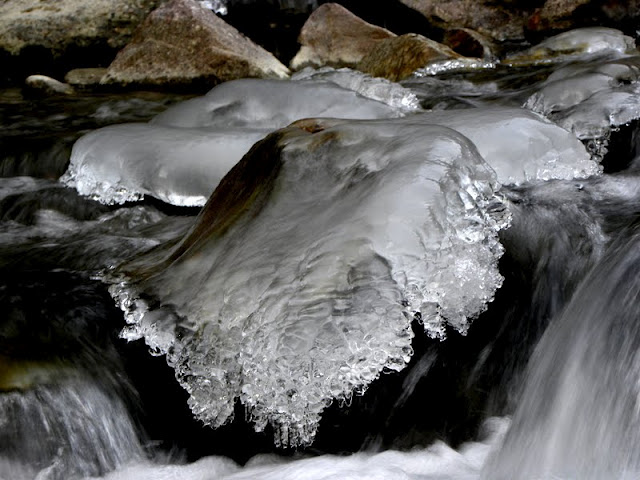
{"x":334,"y":36}
{"x":397,"y":58}
{"x":58,"y":25}
{"x":558,"y":15}
{"x":182,"y":43}
{"x":470,"y":43}
{"x":43,"y":85}
{"x":85,"y":77}
{"x":500,"y":20}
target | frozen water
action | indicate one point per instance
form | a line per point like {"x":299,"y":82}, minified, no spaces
{"x":578,"y":43}
{"x":454,"y":65}
{"x":589,"y":100}
{"x":182,"y":166}
{"x":375,"y":88}
{"x":271,"y":104}
{"x":218,"y":6}
{"x":437,"y":462}
{"x":299,"y":283}
{"x":123,"y":163}
{"x":519,"y":145}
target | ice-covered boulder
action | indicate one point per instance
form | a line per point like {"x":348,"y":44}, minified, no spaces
{"x":271,"y":104}
{"x":181,"y":156}
{"x":591,"y":99}
{"x":183,"y":42}
{"x":519,"y":145}
{"x":398,"y":57}
{"x":573,"y":44}
{"x":334,"y":36}
{"x":123,"y":163}
{"x":299,"y":283}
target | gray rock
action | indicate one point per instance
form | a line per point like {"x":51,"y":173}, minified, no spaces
{"x":181,"y":42}
{"x":85,"y":77}
{"x":333,"y":36}
{"x":43,"y":85}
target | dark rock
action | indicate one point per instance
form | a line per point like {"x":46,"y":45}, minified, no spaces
{"x":470,"y":43}
{"x":183,"y":43}
{"x":336,"y":37}
{"x":397,"y":58}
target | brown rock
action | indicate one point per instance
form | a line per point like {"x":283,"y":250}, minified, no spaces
{"x":499,"y":20}
{"x":470,"y":43}
{"x":334,"y":36}
{"x":397,"y":58}
{"x":181,"y":42}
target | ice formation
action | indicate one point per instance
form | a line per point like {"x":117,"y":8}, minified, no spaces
{"x":589,"y":100}
{"x":271,"y":104}
{"x":299,"y":283}
{"x":519,"y":145}
{"x":375,"y":88}
{"x":183,"y":153}
{"x":577,"y":43}
{"x":122,"y":163}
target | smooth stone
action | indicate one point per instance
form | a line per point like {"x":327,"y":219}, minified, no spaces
{"x":44,"y":85}
{"x":85,"y":77}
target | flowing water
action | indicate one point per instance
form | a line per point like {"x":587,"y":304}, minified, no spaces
{"x":434,"y":280}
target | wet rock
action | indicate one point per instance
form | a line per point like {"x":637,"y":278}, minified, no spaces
{"x":470,"y":43}
{"x":499,"y":20}
{"x":397,"y":58}
{"x":85,"y":77}
{"x":43,"y":85}
{"x":183,"y":43}
{"x":336,"y":37}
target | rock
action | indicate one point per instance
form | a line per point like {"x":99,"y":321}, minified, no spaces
{"x":470,"y":43}
{"x":499,"y":20}
{"x":397,"y":58}
{"x":334,"y":36}
{"x":59,"y":25}
{"x":182,"y":42}
{"x":85,"y":77}
{"x":557,"y":15}
{"x":43,"y":85}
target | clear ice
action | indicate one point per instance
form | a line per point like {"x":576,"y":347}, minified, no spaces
{"x":300,"y":280}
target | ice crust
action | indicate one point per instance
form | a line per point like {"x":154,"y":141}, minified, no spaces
{"x":589,"y":100}
{"x":577,"y":43}
{"x":305,"y":291}
{"x":375,"y":88}
{"x":271,"y":104}
{"x":521,"y":146}
{"x":183,"y":153}
{"x":122,"y":163}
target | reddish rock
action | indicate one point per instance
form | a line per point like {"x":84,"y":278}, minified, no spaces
{"x":181,"y":42}
{"x":397,"y":58}
{"x":470,"y":43}
{"x":334,"y":36}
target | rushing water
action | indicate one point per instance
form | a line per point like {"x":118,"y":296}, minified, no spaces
{"x":437,"y":282}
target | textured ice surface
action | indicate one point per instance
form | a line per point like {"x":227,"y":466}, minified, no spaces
{"x":301,"y":278}
{"x":519,"y":145}
{"x":218,"y":6}
{"x":437,"y":462}
{"x":183,"y":153}
{"x":375,"y":88}
{"x":454,"y":65}
{"x":581,"y":42}
{"x":590,"y":99}
{"x":123,"y":163}
{"x":271,"y":104}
